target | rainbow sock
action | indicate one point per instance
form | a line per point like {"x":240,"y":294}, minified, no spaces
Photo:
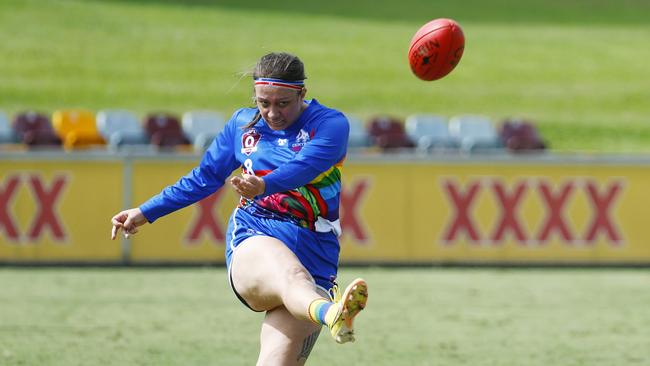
{"x":319,"y":309}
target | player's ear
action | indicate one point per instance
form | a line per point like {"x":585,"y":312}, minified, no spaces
{"x":303,"y":92}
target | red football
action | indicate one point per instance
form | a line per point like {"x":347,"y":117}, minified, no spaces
{"x":436,"y":49}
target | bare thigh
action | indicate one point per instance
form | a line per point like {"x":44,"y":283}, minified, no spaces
{"x":285,"y":340}
{"x":266,"y":274}
{"x":269,"y":276}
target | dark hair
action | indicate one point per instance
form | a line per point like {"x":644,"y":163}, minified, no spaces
{"x":277,"y":65}
{"x":280,"y":65}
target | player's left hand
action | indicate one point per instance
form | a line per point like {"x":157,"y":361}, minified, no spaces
{"x":248,"y":185}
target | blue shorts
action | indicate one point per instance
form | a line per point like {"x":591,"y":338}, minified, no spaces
{"x":318,"y":252}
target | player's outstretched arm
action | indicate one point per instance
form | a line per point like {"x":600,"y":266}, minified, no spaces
{"x":128,"y":221}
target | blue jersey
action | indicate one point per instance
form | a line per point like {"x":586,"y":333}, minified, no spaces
{"x":301,"y":166}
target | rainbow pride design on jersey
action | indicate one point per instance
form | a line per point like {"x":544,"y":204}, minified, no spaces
{"x":305,"y":204}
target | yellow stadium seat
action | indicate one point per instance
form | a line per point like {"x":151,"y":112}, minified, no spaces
{"x":76,"y":128}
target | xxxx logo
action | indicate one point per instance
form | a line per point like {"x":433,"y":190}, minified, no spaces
{"x":352,"y":196}
{"x":46,"y":196}
{"x":555,"y":202}
{"x":206,"y":221}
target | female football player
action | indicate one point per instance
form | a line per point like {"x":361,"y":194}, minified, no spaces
{"x":281,"y":246}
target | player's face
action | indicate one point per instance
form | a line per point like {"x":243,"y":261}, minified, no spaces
{"x":280,"y":107}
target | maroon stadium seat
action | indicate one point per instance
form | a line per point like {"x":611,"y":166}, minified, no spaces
{"x":164,"y":130}
{"x":35,"y":129}
{"x":521,"y":135}
{"x":388,"y":133}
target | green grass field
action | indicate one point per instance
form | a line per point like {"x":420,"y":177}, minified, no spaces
{"x":425,"y":316}
{"x":578,"y":68}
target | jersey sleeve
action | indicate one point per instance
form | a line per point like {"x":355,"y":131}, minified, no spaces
{"x":216,"y":165}
{"x":327,"y":147}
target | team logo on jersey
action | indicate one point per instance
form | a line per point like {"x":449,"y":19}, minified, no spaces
{"x":249,"y":141}
{"x":301,"y":139}
{"x":282,"y":142}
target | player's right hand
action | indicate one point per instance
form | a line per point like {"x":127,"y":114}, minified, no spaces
{"x":248,"y":185}
{"x":128,"y":221}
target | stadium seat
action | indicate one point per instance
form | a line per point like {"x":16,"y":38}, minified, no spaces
{"x":76,"y":128}
{"x":388,"y":133}
{"x":120,"y":127}
{"x":34,"y":129}
{"x":474,"y":132}
{"x":6,"y":132}
{"x":201,"y":127}
{"x":429,"y":131}
{"x":359,"y":137}
{"x":519,"y":135}
{"x":164,"y":130}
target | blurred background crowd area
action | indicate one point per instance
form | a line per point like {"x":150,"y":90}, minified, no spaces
{"x":193,"y":131}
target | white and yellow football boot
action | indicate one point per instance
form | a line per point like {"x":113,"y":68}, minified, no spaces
{"x":349,"y":304}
